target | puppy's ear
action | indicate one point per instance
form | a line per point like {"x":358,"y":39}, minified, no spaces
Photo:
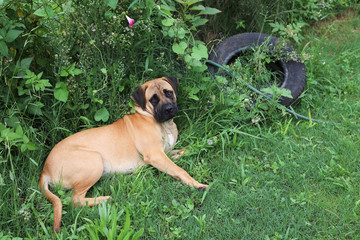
{"x":174,"y":82}
{"x":139,"y":97}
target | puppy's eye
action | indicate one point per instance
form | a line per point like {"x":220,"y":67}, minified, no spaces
{"x":154,"y":100}
{"x":168,"y":94}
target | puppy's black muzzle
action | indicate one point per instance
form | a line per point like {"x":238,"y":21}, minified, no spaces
{"x":165,"y":112}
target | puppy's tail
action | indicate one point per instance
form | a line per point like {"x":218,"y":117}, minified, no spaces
{"x":55,"y":200}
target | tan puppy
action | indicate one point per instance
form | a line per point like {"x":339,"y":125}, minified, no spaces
{"x":80,"y":160}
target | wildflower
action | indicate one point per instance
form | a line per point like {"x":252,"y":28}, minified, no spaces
{"x":211,"y":141}
{"x":131,"y":21}
{"x":255,"y":120}
{"x":25,"y":214}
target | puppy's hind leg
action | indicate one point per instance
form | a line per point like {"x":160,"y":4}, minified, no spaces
{"x":90,"y":171}
{"x":176,"y":154}
{"x":79,"y":198}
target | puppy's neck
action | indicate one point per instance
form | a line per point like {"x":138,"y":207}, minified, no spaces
{"x":139,"y":110}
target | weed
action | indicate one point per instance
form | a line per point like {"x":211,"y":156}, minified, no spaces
{"x":107,"y":225}
{"x":181,"y":28}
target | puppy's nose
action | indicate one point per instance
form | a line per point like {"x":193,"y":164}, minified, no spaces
{"x":169,"y":109}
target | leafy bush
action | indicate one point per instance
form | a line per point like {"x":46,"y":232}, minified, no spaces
{"x":180,"y":24}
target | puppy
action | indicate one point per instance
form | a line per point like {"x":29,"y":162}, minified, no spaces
{"x":144,"y":137}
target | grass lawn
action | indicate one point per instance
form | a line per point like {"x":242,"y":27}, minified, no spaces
{"x":280,"y":178}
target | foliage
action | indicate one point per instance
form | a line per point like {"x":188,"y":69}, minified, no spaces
{"x":107,"y":225}
{"x":180,"y":23}
{"x":292,"y":31}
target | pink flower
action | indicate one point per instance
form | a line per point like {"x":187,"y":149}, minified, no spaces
{"x":131,"y":21}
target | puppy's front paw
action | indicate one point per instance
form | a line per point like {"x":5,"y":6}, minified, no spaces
{"x":201,"y":187}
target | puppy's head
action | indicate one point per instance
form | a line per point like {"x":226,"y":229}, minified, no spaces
{"x":158,"y":97}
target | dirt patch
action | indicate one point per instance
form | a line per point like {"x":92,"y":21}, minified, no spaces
{"x":343,"y":17}
{"x":343,"y":26}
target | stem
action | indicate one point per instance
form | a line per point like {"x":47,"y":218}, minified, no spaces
{"x":92,"y":42}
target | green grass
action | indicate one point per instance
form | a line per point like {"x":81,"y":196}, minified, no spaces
{"x":281,"y":178}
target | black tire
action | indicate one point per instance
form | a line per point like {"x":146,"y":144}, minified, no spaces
{"x":293,"y":71}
